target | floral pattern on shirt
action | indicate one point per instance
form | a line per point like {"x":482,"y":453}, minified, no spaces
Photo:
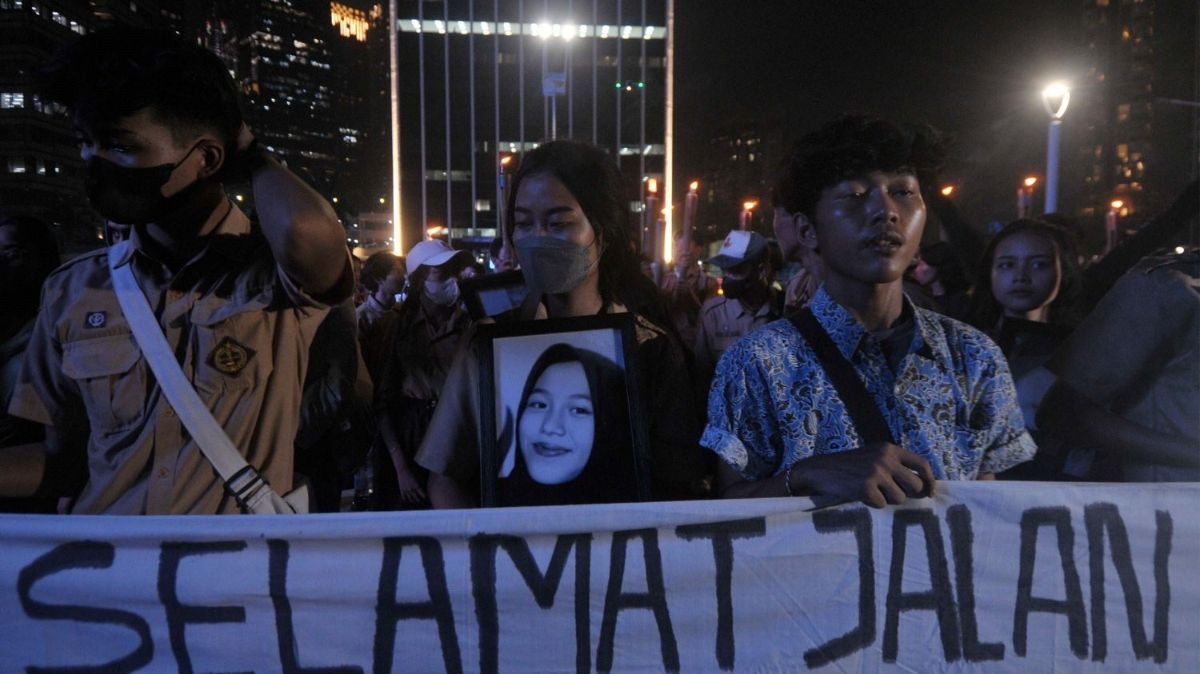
{"x":952,"y":402}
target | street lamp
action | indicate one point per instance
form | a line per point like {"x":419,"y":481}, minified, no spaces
{"x":1055,"y":97}
{"x":947,"y":190}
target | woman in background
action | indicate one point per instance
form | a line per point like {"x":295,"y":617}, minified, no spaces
{"x":1025,"y":299}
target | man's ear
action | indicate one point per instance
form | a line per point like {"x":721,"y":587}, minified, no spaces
{"x":806,"y":231}
{"x":212,"y":154}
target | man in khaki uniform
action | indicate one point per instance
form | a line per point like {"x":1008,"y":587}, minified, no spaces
{"x":158,"y":126}
{"x":746,"y":302}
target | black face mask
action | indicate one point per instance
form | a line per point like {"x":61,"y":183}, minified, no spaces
{"x":133,"y":196}
{"x":737,"y":288}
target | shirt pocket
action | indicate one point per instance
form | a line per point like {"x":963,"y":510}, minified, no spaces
{"x":111,"y":380}
{"x":234,"y":350}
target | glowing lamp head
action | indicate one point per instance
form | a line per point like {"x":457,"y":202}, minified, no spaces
{"x":506,"y":160}
{"x":1117,"y":204}
{"x":652,"y":186}
{"x":749,"y":204}
{"x":947,"y":190}
{"x":694,"y":186}
{"x":1055,"y":97}
{"x":1030,"y":181}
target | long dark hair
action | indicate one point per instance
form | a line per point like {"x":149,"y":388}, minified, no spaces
{"x":608,"y":476}
{"x":986,"y":311}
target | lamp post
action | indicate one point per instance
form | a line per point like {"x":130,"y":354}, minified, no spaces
{"x":1025,"y":197}
{"x":1055,"y":98}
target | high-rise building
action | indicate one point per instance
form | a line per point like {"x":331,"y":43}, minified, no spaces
{"x":482,"y":80}
{"x":1135,"y":116}
{"x":736,"y":171}
{"x":40,"y":170}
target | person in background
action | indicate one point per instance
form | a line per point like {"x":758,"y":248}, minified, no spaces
{"x":934,"y":398}
{"x":686,"y":290}
{"x":1129,"y":377}
{"x":160,"y":133}
{"x":1025,"y":299}
{"x":428,"y":328}
{"x":747,"y":300}
{"x":936,"y":281}
{"x":383,"y":279}
{"x":568,"y":223}
{"x":805,"y":280}
{"x":28,"y":254}
{"x":473,"y":269}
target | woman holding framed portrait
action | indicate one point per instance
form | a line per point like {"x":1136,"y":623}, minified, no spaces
{"x":567,"y":221}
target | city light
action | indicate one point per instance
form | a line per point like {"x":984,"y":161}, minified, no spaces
{"x":1056,"y":96}
{"x":947,"y":190}
{"x":1117,"y":204}
{"x":382,"y":200}
{"x":1179,"y":250}
{"x":695,"y":185}
{"x":652,"y":186}
{"x":749,"y":204}
{"x":1030,"y":181}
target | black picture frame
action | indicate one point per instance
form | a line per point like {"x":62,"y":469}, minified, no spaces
{"x":616,"y":465}
{"x":493,"y":294}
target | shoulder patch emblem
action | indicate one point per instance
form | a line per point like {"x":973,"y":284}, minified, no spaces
{"x":229,"y":357}
{"x":97,"y":319}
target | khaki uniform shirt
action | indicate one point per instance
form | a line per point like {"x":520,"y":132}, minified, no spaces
{"x":722,"y":322}
{"x":241,"y":331}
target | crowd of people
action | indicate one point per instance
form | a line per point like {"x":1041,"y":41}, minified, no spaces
{"x":843,"y":359}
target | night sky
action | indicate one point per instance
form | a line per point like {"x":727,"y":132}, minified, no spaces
{"x":973,"y":69}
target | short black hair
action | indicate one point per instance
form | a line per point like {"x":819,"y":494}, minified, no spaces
{"x":851,"y":146}
{"x":120,"y":70}
{"x":376,"y":269}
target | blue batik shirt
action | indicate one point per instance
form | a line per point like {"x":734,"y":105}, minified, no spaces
{"x":952,"y":400}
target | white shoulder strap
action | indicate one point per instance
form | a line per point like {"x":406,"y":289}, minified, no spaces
{"x":246,"y":484}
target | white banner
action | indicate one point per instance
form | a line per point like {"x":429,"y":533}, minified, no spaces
{"x":985,"y":576}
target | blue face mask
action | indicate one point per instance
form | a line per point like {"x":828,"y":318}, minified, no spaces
{"x":552,"y":265}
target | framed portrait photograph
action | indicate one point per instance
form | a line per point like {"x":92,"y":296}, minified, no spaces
{"x":562,"y":420}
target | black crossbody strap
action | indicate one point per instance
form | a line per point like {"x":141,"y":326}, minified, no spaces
{"x":865,"y":414}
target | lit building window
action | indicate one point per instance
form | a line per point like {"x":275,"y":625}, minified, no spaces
{"x":483,"y":205}
{"x":1122,"y":112}
{"x":12,"y":100}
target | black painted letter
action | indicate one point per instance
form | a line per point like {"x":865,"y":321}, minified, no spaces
{"x":389,"y":612}
{"x":857,"y":520}
{"x":82,"y":555}
{"x":289,"y":651}
{"x":939,"y":598}
{"x":1104,"y":516}
{"x":722,"y":535}
{"x":655,"y":599}
{"x":544,"y":587}
{"x":180,"y":614}
{"x":962,"y":542}
{"x":1032,"y":520}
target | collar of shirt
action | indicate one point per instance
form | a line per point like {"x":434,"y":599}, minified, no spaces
{"x":848,"y":334}
{"x":228,"y":239}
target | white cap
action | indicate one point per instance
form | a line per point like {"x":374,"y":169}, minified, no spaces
{"x":432,"y":253}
